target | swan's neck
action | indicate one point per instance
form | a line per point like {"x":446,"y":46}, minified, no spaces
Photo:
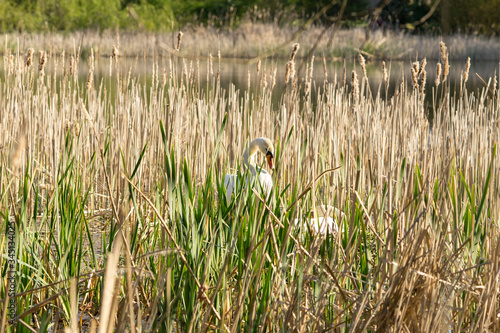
{"x":250,"y":151}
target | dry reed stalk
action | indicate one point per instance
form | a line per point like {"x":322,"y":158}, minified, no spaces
{"x":179,"y":40}
{"x":258,"y":67}
{"x":325,"y":70}
{"x":115,"y":54}
{"x":72,"y":66}
{"x":384,"y":72}
{"x":11,"y":64}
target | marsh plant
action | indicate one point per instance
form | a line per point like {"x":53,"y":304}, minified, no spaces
{"x":114,"y":184}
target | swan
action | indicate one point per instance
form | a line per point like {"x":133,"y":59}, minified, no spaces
{"x":327,"y":220}
{"x":263,"y":177}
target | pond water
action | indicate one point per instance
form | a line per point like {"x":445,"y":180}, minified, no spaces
{"x":239,"y":72}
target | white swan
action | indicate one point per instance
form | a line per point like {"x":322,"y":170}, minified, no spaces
{"x":263,"y":177}
{"x":327,"y":220}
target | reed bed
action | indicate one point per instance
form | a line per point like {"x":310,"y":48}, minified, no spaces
{"x":253,"y":40}
{"x":113,"y":185}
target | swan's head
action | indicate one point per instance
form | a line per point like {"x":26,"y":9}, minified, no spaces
{"x":266,"y":147}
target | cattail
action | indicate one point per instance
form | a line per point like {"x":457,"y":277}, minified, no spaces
{"x":91,"y":59}
{"x":42,"y":58}
{"x":438,"y":74}
{"x":414,"y":77}
{"x":416,"y":67}
{"x":294,"y":51}
{"x":71,"y":65}
{"x":384,"y":72}
{"x":90,"y":79}
{"x":442,"y":46}
{"x":179,"y":40}
{"x":467,"y":68}
{"x":274,"y":78}
{"x":29,"y":57}
{"x":258,"y":66}
{"x":115,"y":54}
{"x":362,"y":62}
{"x":422,"y":67}
{"x":355,"y":86}
{"x":422,"y":81}
{"x":287,"y":72}
{"x":444,"y":60}
{"x":446,"y":68}
{"x":292,"y":69}
{"x":77,"y":129}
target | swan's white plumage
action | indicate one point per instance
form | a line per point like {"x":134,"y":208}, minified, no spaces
{"x":326,"y":221}
{"x":263,"y":179}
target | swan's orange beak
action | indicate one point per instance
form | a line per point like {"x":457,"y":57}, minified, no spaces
{"x":270,"y":161}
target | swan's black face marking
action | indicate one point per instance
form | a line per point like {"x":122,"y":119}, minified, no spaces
{"x":270,"y":162}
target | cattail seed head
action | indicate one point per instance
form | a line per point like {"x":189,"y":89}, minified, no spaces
{"x":362,"y":62}
{"x":42,"y":58}
{"x":292,"y":69}
{"x":467,"y":68}
{"x":442,"y":46}
{"x":355,"y":86}
{"x":416,"y":66}
{"x":296,"y":47}
{"x":422,"y":81}
{"x":444,"y":60}
{"x":258,"y":66}
{"x":179,"y":40}
{"x":422,"y":67}
{"x":287,"y":72}
{"x":414,"y":77}
{"x":446,"y":68}
{"x":90,"y":79}
{"x":438,"y":74}
{"x":29,"y":57}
